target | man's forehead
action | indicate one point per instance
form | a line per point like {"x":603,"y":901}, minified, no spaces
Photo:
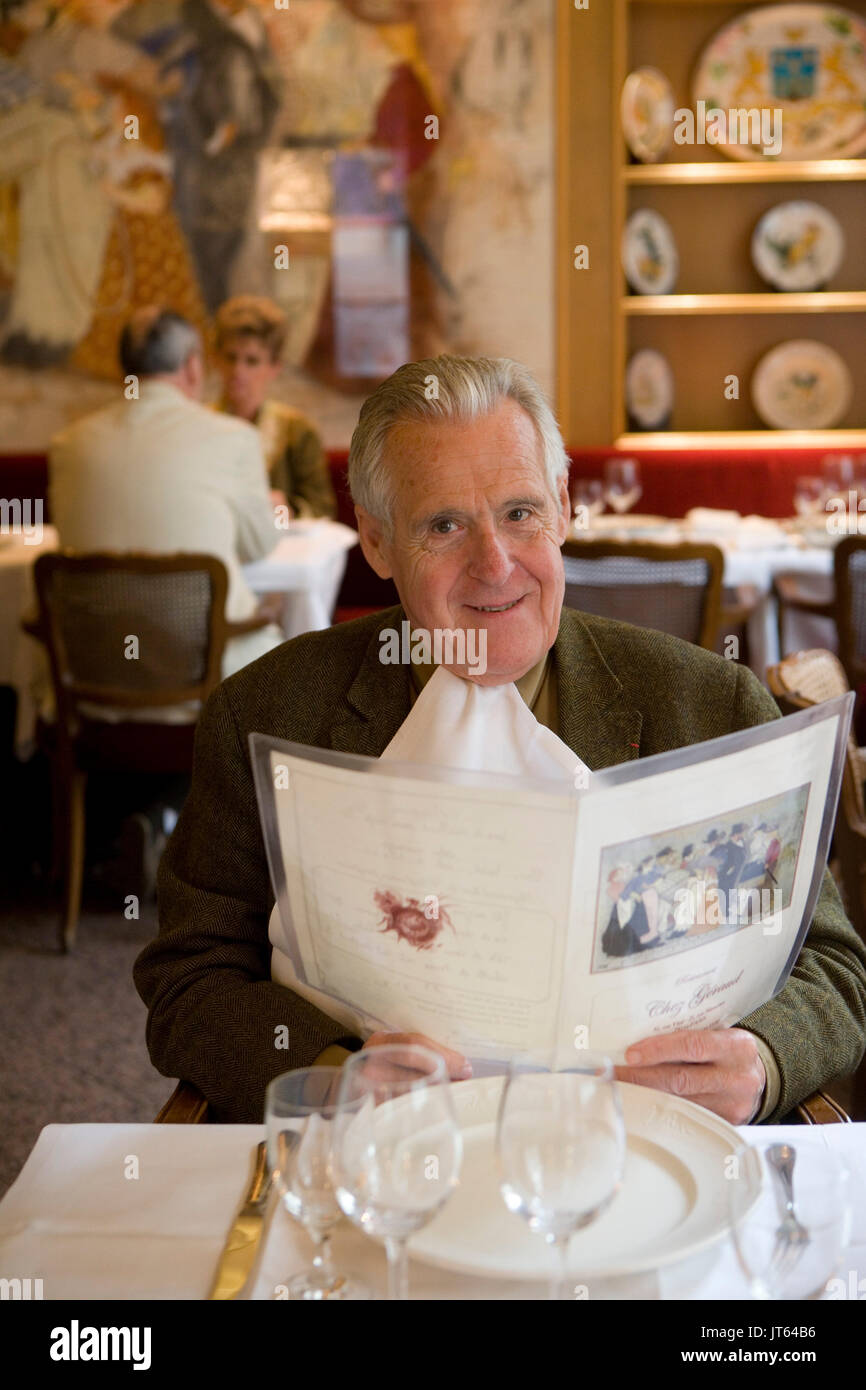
{"x":493,"y":456}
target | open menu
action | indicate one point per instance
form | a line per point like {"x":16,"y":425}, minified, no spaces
{"x":501,"y":915}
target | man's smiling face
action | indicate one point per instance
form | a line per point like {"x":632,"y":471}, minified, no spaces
{"x":477,"y":535}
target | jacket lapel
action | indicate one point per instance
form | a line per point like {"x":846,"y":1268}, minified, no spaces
{"x":377,"y":701}
{"x":595,"y":718}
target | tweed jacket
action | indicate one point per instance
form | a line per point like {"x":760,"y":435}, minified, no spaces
{"x":623,"y":692}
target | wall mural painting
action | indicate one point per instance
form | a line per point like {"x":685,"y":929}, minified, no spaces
{"x":165,"y":150}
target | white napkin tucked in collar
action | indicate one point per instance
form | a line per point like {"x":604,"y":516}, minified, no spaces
{"x":453,"y":723}
{"x":456,"y":723}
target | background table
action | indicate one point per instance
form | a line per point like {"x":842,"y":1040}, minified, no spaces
{"x":22,"y":663}
{"x":307,"y":567}
{"x":747,"y":562}
{"x":142,"y":1211}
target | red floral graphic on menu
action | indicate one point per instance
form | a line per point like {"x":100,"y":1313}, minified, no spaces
{"x":413,"y":922}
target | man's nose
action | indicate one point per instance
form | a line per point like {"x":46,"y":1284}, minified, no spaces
{"x":490,"y":560}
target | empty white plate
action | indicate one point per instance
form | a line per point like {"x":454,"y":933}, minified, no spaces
{"x":673,"y":1201}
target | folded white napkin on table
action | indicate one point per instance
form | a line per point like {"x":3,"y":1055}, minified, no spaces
{"x":453,"y":723}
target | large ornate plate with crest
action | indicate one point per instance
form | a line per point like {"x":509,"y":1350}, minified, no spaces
{"x":807,"y":61}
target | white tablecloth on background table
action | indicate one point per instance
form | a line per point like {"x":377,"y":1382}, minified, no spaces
{"x":748,"y":561}
{"x":307,"y":566}
{"x":22,"y":660}
{"x":76,"y":1219}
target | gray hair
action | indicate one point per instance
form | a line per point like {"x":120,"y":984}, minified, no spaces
{"x":444,"y":388}
{"x":156,"y":341}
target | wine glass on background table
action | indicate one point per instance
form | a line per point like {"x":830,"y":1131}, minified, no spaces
{"x":622,"y":485}
{"x":837,"y":471}
{"x":809,"y":495}
{"x":300,"y":1107}
{"x":397,"y":1147}
{"x":587,"y":501}
{"x":560,"y":1145}
{"x":789,"y":1251}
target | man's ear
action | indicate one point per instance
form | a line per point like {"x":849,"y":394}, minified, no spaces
{"x":564,"y":513}
{"x":373,"y":543}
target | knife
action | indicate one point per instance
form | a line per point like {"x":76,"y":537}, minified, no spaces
{"x":242,"y":1242}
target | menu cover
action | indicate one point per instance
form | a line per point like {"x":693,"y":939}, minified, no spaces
{"x":503,"y":916}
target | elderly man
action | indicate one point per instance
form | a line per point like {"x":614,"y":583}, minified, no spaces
{"x":460,"y":481}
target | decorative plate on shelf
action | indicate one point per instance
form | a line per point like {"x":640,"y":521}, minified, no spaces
{"x":798,"y":246}
{"x":647,"y":109}
{"x":807,"y":62}
{"x":801,"y":385}
{"x":649,"y":389}
{"x":649,"y":253}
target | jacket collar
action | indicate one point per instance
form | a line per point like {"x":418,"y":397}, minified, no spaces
{"x":378,"y":700}
{"x":595,"y":718}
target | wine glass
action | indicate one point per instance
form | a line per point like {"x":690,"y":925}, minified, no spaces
{"x":809,"y":495}
{"x":299,"y":1113}
{"x":838,"y":474}
{"x":397,"y":1147}
{"x":777,"y":1268}
{"x":622,"y":487}
{"x":560,"y":1144}
{"x":587,"y":498}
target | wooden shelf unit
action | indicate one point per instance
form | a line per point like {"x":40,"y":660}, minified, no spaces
{"x":819,"y":302}
{"x":747,"y":170}
{"x":734,"y":320}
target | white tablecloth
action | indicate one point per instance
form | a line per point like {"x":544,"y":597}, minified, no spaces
{"x":307,"y":566}
{"x":747,"y":561}
{"x":142,"y":1211}
{"x":22,"y":661}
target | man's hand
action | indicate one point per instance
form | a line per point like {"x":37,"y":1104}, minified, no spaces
{"x":455,"y":1063}
{"x":720,"y":1069}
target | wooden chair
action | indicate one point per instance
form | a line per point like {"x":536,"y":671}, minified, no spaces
{"x":672,"y":588}
{"x":124,"y":632}
{"x":844,"y":601}
{"x":808,"y":678}
{"x":187,"y":1106}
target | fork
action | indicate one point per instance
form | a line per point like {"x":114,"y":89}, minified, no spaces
{"x":792,"y":1236}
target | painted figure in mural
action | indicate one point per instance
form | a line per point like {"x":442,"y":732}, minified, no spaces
{"x":220,"y":123}
{"x":58,"y":214}
{"x":95,"y":237}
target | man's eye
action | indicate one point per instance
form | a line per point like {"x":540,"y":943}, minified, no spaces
{"x":438,"y":527}
{"x":519,"y":514}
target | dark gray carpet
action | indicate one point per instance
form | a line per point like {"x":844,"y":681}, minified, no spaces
{"x":72,"y":1039}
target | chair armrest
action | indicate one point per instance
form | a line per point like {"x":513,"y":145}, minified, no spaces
{"x":185,"y":1106}
{"x":240,"y":629}
{"x":787,"y":591}
{"x":821,"y":1109}
{"x":33,"y":628}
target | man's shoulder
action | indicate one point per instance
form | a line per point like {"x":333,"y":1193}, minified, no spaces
{"x":216,"y":424}
{"x":684,"y":693}
{"x":95,"y":422}
{"x":638,"y":653}
{"x":292,"y":691}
